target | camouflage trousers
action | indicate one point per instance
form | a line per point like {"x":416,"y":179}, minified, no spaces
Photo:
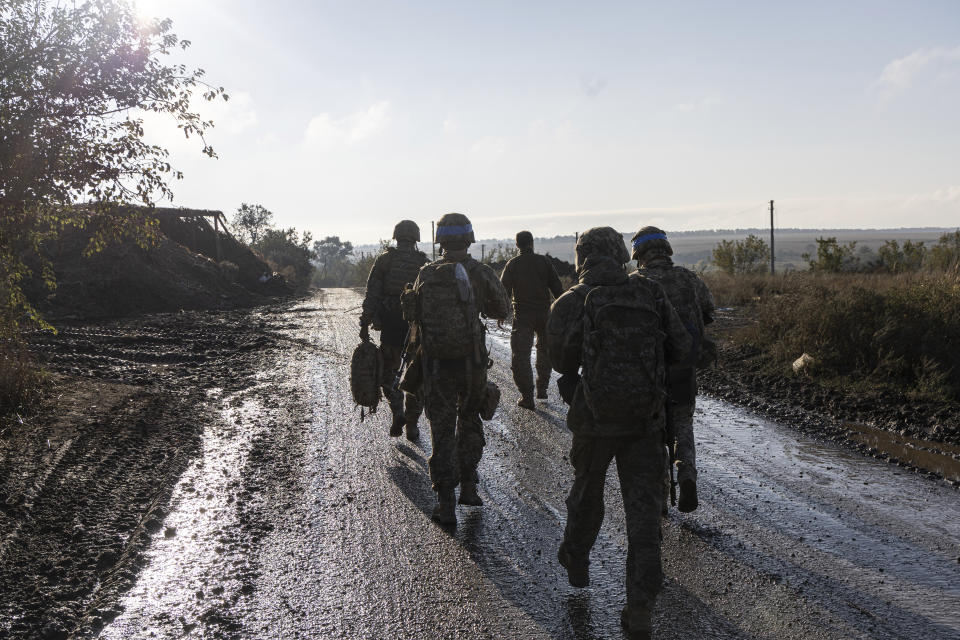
{"x":521,"y":343}
{"x":683,"y":401}
{"x":641,"y":462}
{"x":403,"y":404}
{"x":682,"y":425}
{"x":452,"y":401}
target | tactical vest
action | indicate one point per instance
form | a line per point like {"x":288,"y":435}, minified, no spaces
{"x":403,"y":267}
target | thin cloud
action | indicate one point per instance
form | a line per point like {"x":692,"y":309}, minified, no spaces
{"x":592,"y":85}
{"x":899,"y":74}
{"x":701,"y":104}
{"x":323,"y":129}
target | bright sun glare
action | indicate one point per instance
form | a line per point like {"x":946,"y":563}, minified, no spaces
{"x":148,"y":9}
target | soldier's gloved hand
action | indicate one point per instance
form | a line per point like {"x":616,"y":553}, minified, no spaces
{"x":567,"y":385}
{"x":364,"y":331}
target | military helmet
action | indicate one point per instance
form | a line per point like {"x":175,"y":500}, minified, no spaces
{"x":454,"y":227}
{"x":406,"y":230}
{"x":650,"y":242}
{"x":605,"y":241}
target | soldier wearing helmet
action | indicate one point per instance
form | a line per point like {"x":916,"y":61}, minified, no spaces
{"x":448,"y":300}
{"x":610,"y":337}
{"x":391,"y":271}
{"x":531,"y":280}
{"x":692,"y":299}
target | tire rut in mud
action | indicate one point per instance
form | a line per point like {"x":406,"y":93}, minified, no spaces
{"x":86,"y":482}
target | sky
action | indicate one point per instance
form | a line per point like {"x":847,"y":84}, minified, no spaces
{"x":346,"y":117}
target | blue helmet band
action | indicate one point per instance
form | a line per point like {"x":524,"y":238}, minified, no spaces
{"x":454,"y":230}
{"x":647,"y":238}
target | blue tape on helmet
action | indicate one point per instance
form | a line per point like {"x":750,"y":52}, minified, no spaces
{"x":451,"y":230}
{"x":647,"y":238}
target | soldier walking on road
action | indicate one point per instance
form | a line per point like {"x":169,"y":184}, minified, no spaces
{"x":390,"y":273}
{"x":530,"y":279}
{"x":446,"y":303}
{"x":623,"y":333}
{"x":694,"y":304}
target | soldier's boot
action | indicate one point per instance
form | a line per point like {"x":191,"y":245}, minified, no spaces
{"x":637,"y":623}
{"x":446,"y":510}
{"x":687,"y":500}
{"x":413,"y":431}
{"x":526,"y":402}
{"x":396,"y":429}
{"x":542,"y":389}
{"x":578,"y":569}
{"x":469,"y":495}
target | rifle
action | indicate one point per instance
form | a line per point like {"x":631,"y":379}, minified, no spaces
{"x":671,"y":439}
{"x":409,"y":348}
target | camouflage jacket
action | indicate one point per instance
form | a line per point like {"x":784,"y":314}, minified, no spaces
{"x":531,"y":279}
{"x":687,"y":293}
{"x":565,"y":344}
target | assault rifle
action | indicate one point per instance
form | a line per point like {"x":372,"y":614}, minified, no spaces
{"x":410,"y":346}
{"x":671,"y":439}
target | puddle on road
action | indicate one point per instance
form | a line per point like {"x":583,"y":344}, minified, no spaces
{"x":190,"y":567}
{"x":884,"y":540}
{"x":925,"y":454}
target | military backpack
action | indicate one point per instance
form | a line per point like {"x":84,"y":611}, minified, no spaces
{"x":366,"y":376}
{"x":447,"y":311}
{"x":623,"y":377}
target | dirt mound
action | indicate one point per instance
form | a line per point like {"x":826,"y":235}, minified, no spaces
{"x":181,"y":272}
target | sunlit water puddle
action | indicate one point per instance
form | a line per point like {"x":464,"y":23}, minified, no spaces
{"x":943,"y":459}
{"x":189,"y":565}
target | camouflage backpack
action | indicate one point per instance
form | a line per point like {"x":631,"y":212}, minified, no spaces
{"x":447,"y":311}
{"x":623,"y":376}
{"x":366,"y":376}
{"x":679,"y":284}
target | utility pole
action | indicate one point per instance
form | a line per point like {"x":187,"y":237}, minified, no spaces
{"x":772,"y":270}
{"x":433,"y":240}
{"x":483,"y":252}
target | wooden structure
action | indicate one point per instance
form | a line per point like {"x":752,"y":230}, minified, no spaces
{"x":219,"y":221}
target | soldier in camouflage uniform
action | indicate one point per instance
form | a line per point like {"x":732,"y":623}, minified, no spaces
{"x":636,"y":442}
{"x":694,"y":304}
{"x":454,"y":388}
{"x":530,"y":279}
{"x":391,"y":271}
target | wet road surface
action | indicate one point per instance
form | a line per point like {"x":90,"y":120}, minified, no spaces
{"x":299,"y":521}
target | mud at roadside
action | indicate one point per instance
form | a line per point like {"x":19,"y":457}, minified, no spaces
{"x":919,"y":436}
{"x":85,"y":481}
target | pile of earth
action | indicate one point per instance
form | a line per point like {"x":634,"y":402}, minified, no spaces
{"x":185,"y":269}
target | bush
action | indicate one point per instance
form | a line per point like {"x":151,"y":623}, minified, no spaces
{"x":902,"y":332}
{"x":833,"y":257}
{"x":945,"y":255}
{"x":741,"y":257}
{"x":20,"y":378}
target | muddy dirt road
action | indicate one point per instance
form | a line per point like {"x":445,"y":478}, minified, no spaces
{"x":294,"y":520}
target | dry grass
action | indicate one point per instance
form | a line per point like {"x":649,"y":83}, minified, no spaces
{"x":874,"y":330}
{"x":21,"y":380}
